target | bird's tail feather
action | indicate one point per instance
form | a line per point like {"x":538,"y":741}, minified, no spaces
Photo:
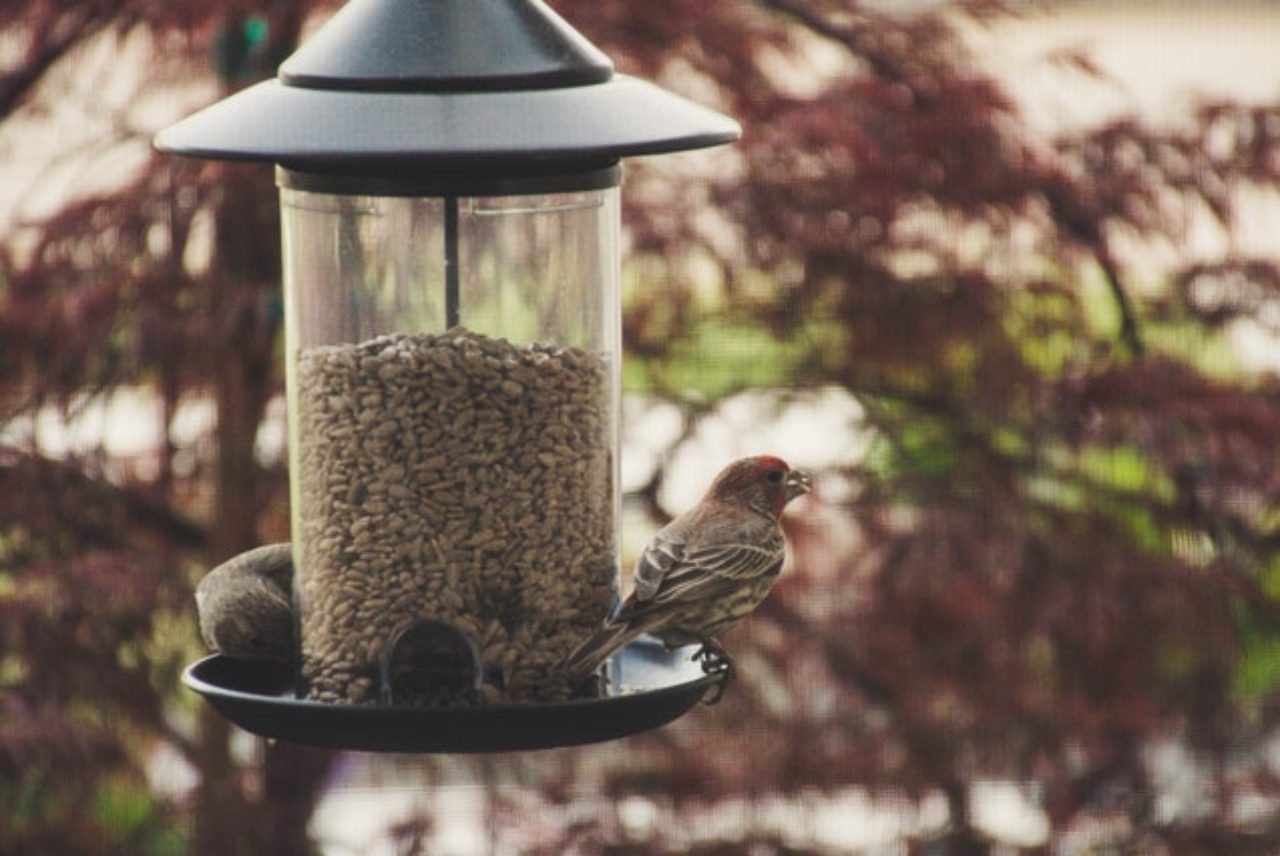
{"x":592,"y":653}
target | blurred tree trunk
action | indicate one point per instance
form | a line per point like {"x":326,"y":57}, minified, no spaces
{"x":219,"y":796}
{"x":293,"y":781}
{"x":239,"y":412}
{"x":246,"y":303}
{"x":247,"y":256}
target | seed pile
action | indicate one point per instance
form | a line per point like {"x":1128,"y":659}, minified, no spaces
{"x":459,"y":478}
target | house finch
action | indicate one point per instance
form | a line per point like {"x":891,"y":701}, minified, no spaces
{"x":245,"y":605}
{"x":706,"y":570}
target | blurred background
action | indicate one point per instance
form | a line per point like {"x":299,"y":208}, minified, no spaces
{"x":1005,"y":275}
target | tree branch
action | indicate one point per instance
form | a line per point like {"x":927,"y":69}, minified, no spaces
{"x":50,"y":43}
{"x":1130,"y":333}
{"x":850,"y":37}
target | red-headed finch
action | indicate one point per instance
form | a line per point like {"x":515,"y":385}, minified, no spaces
{"x":706,"y":570}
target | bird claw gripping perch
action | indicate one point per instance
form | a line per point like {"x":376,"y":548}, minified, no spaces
{"x":715,"y":661}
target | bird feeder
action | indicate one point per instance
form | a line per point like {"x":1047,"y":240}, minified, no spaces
{"x":449,"y":176}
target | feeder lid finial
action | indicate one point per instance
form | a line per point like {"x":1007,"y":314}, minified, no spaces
{"x":445,"y":46}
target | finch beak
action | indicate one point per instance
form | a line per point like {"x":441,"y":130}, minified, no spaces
{"x":798,"y":483}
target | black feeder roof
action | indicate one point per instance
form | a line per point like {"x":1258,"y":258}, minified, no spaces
{"x":406,"y":86}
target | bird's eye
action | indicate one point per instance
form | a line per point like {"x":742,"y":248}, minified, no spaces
{"x":774,"y":476}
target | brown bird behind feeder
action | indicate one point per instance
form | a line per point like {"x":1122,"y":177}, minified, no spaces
{"x":245,"y":606}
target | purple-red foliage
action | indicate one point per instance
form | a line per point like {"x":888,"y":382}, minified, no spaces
{"x":1067,"y":540}
{"x":95,"y":594}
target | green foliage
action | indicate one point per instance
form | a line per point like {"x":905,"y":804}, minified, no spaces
{"x":919,"y":450}
{"x":1257,"y":677}
{"x":135,"y":822}
{"x":718,"y":355}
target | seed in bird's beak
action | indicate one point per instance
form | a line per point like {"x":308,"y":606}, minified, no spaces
{"x":798,"y":483}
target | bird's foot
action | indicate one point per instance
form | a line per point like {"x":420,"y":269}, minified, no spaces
{"x":715,"y":661}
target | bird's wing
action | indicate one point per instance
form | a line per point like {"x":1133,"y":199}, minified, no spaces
{"x":660,"y":557}
{"x":673,"y":571}
{"x":737,"y":561}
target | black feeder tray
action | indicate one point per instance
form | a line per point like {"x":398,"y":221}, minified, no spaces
{"x":648,"y":686}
